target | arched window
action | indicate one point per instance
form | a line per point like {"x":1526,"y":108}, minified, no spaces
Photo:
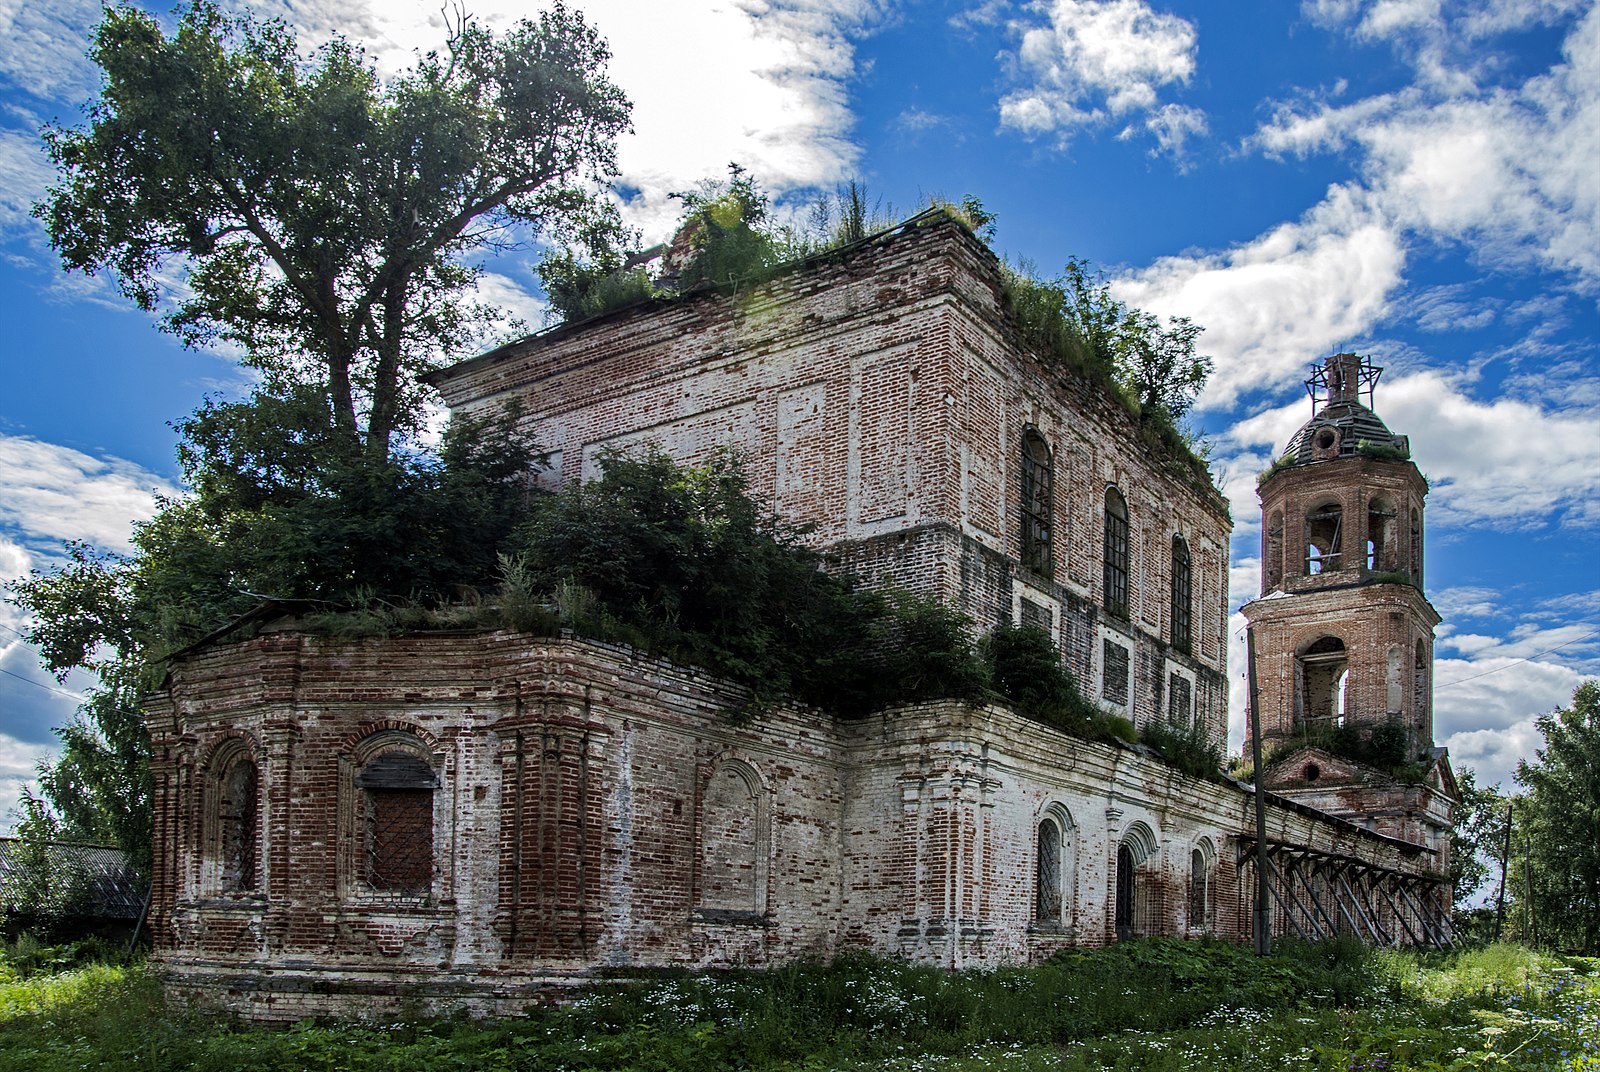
{"x":1200,"y":864}
{"x":1115,"y":581}
{"x":1182,"y":596}
{"x":1323,"y":670}
{"x":234,"y":843}
{"x":1055,"y":875}
{"x":1038,"y":489}
{"x":394,"y":803}
{"x":733,"y":848}
{"x":1134,"y":918}
{"x":1047,"y":880}
{"x":1126,"y":869}
{"x":1323,"y":539}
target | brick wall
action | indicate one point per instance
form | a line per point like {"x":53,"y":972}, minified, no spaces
{"x":596,"y":809}
{"x":880,"y":397}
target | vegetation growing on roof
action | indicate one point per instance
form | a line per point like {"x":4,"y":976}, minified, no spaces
{"x":1389,"y":452}
{"x":727,"y":240}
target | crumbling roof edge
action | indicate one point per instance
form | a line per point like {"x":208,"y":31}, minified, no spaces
{"x":932,"y":216}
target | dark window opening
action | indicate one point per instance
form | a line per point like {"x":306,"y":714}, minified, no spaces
{"x":1116,"y":554}
{"x":397,"y":823}
{"x":1047,"y":906}
{"x":1180,"y":700}
{"x":236,"y":823}
{"x":1125,"y":892}
{"x":1182,"y":595}
{"x":1115,"y":671}
{"x":1038,"y":481}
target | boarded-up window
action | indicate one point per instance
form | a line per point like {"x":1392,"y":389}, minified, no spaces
{"x":1114,"y":673}
{"x":236,"y":824}
{"x":396,"y":798}
{"x":732,"y":864}
{"x":1180,"y":700}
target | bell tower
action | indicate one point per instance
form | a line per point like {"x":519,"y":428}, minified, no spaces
{"x":1342,"y":632}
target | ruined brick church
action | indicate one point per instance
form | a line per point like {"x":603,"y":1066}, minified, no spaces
{"x":469,"y":819}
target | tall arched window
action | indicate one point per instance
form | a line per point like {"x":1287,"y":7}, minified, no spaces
{"x":1381,"y":556}
{"x":1038,"y":490}
{"x":1047,"y":884}
{"x":235,"y":838}
{"x":1323,"y":539}
{"x":1200,"y":864}
{"x":1126,"y":869}
{"x":1115,"y":581}
{"x":394,"y":802}
{"x":1182,"y":596}
{"x":1323,"y":669}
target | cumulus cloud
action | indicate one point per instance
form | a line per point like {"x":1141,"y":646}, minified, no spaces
{"x":1483,"y":709}
{"x":1505,"y":463}
{"x":1272,"y":304}
{"x":51,"y":493}
{"x":1509,"y":169}
{"x":1089,"y":61}
{"x":45,"y":45}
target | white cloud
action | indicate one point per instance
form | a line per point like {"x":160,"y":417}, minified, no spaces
{"x":1484,"y":709}
{"x":52,"y":493}
{"x":1091,"y":60}
{"x":1273,"y":304}
{"x":45,"y":46}
{"x":18,"y":768}
{"x":1509,"y":169}
{"x":1504,"y":464}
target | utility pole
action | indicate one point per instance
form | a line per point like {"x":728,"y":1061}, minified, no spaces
{"x":1263,"y":913}
{"x":1505,"y":858}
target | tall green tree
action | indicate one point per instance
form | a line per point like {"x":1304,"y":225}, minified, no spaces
{"x":321,"y":215}
{"x":1561,"y":823}
{"x":322,"y":220}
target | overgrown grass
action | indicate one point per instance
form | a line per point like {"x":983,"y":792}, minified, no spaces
{"x":1148,"y":1005}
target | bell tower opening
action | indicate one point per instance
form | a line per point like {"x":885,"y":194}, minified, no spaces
{"x":1324,"y":673}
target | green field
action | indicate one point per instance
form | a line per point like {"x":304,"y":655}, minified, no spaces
{"x":1141,"y":1005}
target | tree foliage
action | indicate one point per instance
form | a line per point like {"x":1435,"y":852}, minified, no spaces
{"x":319,"y":219}
{"x":1561,"y":823}
{"x":320,"y":214}
{"x":683,"y":560}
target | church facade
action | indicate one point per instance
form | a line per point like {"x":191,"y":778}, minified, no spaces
{"x":471,"y":819}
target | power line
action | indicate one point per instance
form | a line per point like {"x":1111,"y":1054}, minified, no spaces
{"x":37,"y":685}
{"x":1508,"y":666}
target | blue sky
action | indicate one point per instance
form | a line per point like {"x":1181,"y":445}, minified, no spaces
{"x":1418,"y":180}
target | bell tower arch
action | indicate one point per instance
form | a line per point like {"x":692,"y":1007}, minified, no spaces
{"x":1343,"y":632}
